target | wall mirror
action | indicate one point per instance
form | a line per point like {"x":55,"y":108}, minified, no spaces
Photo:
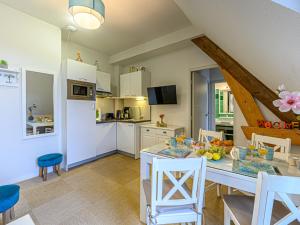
{"x":38,"y":103}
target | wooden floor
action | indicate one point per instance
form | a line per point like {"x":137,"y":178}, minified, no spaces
{"x":105,"y":192}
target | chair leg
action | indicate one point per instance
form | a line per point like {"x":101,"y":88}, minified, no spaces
{"x":41,"y":172}
{"x":5,"y":217}
{"x":229,"y":190}
{"x":199,"y":219}
{"x":45,"y":174}
{"x":58,"y":171}
{"x":219,"y":190}
{"x":12,"y":213}
{"x":227,"y":217}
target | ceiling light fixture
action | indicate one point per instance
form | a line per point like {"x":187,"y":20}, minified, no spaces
{"x":88,"y":14}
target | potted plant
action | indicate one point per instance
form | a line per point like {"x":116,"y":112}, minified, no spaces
{"x":3,"y":64}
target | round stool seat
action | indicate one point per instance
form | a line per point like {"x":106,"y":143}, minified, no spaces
{"x":9,"y":196}
{"x":50,"y":160}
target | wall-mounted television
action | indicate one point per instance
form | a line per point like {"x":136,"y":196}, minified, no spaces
{"x":162,"y":95}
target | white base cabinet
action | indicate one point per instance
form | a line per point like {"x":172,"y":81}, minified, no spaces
{"x":106,"y":135}
{"x":128,"y":138}
{"x":152,"y":135}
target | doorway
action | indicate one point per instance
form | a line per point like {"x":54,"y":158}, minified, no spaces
{"x":212,"y":103}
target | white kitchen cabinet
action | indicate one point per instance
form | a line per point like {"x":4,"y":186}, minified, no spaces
{"x":134,"y":84}
{"x":152,"y":135}
{"x":106,"y":136}
{"x":126,"y":137}
{"x":103,"y":81}
{"x":80,"y":71}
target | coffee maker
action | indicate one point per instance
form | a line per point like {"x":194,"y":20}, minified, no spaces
{"x":127,"y":113}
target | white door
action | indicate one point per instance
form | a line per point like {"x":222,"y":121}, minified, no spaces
{"x":126,"y":137}
{"x":106,"y":137}
{"x":81,"y":71}
{"x":136,"y":84}
{"x":103,"y":81}
{"x":125,"y":85}
{"x":81,"y":130}
{"x":200,"y":111}
{"x":148,"y":141}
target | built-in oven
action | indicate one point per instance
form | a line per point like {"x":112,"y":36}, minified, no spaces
{"x":80,"y":90}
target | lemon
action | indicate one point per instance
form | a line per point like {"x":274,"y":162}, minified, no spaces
{"x":208,"y":155}
{"x":200,"y":151}
{"x":216,"y":156}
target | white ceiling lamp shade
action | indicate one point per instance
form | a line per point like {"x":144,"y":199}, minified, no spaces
{"x":88,"y":14}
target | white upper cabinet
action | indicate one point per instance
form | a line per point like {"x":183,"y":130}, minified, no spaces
{"x":134,"y":84}
{"x":103,"y":81}
{"x":80,"y":71}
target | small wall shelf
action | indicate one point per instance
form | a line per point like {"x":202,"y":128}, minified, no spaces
{"x":9,"y":77}
{"x":294,"y":134}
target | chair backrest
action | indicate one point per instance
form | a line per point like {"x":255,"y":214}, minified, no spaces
{"x":194,"y":168}
{"x":269,"y":186}
{"x":206,"y":135}
{"x":282,"y":147}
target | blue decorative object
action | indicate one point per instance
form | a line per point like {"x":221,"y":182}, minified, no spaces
{"x":173,"y":142}
{"x":48,"y":160}
{"x":88,"y":14}
{"x":270,"y":153}
{"x":188,"y":142}
{"x":242,"y":153}
{"x":9,"y":196}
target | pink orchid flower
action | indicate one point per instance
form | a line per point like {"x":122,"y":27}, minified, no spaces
{"x":288,"y":101}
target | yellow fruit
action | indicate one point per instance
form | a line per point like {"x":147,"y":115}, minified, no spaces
{"x":208,"y":155}
{"x":251,"y":147}
{"x":216,"y":156}
{"x":200,"y":151}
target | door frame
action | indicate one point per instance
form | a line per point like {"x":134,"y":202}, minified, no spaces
{"x":210,"y":90}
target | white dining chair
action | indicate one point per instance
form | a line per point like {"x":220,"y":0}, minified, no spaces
{"x":205,"y":136}
{"x":282,"y":147}
{"x":272,"y":203}
{"x":169,"y":200}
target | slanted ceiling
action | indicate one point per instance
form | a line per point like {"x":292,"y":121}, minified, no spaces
{"x":263,"y":36}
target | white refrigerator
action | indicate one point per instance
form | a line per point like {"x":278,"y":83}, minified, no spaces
{"x":81,"y":131}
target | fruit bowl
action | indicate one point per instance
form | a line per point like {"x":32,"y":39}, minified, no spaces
{"x":214,"y":153}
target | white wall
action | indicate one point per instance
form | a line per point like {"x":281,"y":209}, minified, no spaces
{"x":175,"y":68}
{"x":89,"y":56}
{"x":24,"y":42}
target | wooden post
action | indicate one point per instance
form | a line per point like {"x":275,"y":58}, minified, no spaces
{"x":5,"y":217}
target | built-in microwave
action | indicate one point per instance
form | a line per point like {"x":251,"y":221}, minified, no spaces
{"x":80,"y":90}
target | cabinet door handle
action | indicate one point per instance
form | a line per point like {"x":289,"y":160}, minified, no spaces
{"x":165,"y":132}
{"x":147,"y":130}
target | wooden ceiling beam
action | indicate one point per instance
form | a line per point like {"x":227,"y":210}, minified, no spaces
{"x":243,"y":76}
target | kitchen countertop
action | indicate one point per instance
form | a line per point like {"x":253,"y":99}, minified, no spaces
{"x":122,"y":121}
{"x":169,"y":127}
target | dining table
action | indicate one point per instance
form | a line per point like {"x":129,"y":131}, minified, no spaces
{"x":225,"y":172}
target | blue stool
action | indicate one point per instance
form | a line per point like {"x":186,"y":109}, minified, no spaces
{"x":48,"y":160}
{"x":9,"y":196}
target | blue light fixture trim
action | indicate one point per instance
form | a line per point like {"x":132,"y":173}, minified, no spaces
{"x":96,"y":5}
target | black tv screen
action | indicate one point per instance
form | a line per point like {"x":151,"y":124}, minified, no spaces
{"x":162,"y":95}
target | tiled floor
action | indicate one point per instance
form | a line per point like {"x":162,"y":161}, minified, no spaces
{"x":105,"y":192}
